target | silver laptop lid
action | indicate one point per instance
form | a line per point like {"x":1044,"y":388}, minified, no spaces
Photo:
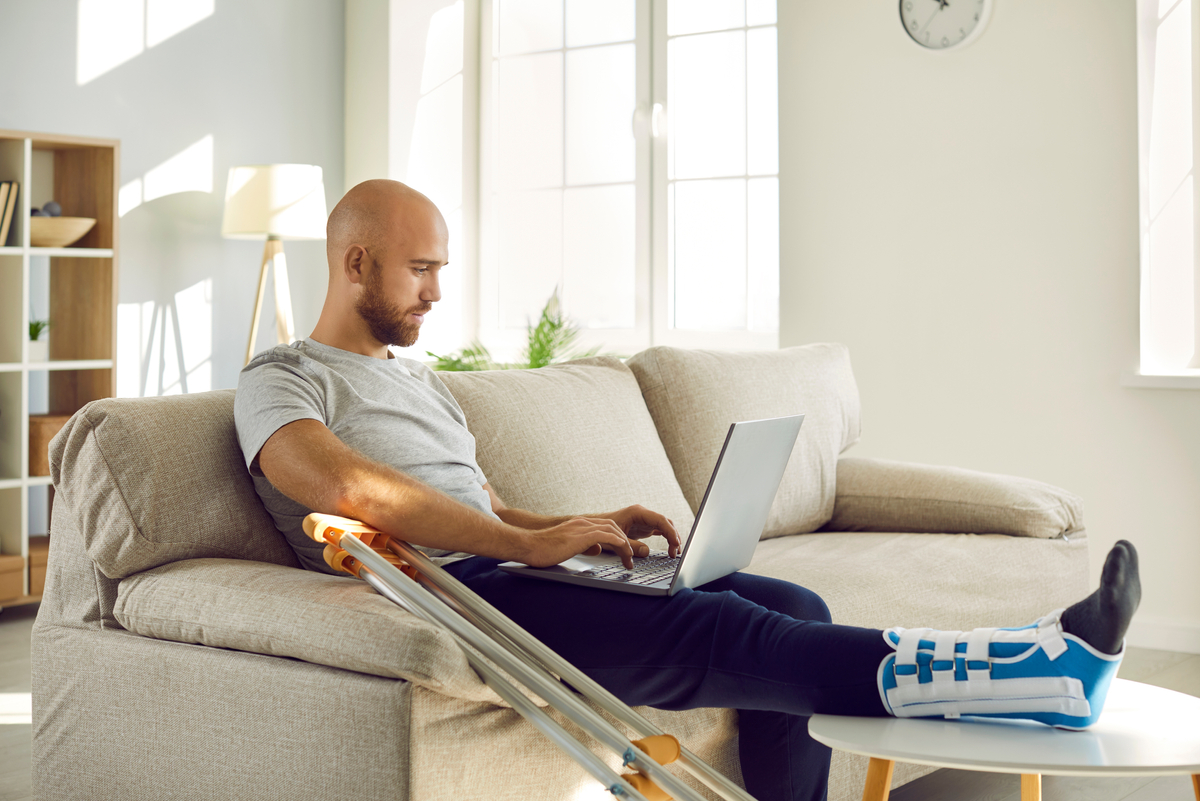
{"x":738,"y":500}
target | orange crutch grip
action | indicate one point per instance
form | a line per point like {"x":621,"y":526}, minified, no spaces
{"x":643,"y":785}
{"x":662,"y":748}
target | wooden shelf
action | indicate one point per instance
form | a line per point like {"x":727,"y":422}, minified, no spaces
{"x":75,"y":287}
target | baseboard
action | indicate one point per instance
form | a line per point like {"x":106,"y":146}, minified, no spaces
{"x":1164,"y":634}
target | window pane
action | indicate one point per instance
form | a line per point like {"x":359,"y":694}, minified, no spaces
{"x":529,"y":228}
{"x":760,"y":12}
{"x":529,"y":122}
{"x":762,"y":254}
{"x":592,"y":22}
{"x":706,"y":95}
{"x":1169,"y":340}
{"x":1171,"y":115}
{"x":600,"y":101}
{"x":598,"y":257}
{"x":762,"y":103}
{"x":710,"y":254}
{"x":530,"y":25}
{"x":695,"y":16}
{"x":443,"y":47}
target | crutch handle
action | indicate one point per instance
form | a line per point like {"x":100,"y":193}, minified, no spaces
{"x":331,"y":528}
{"x":341,"y":561}
{"x":643,"y":785}
{"x":662,"y":748}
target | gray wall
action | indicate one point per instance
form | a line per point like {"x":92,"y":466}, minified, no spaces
{"x":967,"y":223}
{"x":264,"y":78}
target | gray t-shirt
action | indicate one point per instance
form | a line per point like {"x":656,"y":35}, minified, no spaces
{"x":395,"y":411}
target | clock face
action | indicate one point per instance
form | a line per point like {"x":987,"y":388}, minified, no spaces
{"x":943,"y":24}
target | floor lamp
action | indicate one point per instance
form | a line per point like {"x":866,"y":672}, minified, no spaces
{"x":275,"y":202}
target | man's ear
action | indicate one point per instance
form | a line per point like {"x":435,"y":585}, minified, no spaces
{"x":353,"y":262}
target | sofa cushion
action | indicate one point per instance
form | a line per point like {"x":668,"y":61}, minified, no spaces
{"x":155,"y":480}
{"x":881,"y":495}
{"x":569,"y":439}
{"x":694,"y":395}
{"x":273,"y":610}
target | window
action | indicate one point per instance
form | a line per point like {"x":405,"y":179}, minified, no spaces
{"x":629,"y":158}
{"x":1166,"y":94}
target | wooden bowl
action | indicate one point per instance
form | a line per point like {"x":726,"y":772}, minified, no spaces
{"x":58,"y":232}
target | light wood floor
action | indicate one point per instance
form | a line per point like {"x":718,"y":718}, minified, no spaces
{"x":1180,"y":672}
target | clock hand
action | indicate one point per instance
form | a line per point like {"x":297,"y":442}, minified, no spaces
{"x":935,"y":13}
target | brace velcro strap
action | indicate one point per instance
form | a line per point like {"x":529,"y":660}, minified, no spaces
{"x":905,"y":668}
{"x":1050,"y":638}
{"x":942,"y":666}
{"x":977,"y":652}
{"x":1018,"y":696}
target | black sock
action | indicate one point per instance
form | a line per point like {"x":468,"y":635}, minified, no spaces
{"x":1101,"y":619}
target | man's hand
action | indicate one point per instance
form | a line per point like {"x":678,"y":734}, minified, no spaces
{"x":638,"y":522}
{"x":550,"y":546}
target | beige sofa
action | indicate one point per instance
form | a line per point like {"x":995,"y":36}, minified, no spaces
{"x":179,"y":653}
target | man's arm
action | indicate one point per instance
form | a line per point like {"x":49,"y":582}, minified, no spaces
{"x":635,"y":521}
{"x":306,"y":462}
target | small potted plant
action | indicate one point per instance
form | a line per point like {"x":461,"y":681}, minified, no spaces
{"x":39,"y":349}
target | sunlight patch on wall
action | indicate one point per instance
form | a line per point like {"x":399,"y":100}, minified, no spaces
{"x":165,"y":18}
{"x":112,"y":32}
{"x":166,"y":349}
{"x":16,"y":709}
{"x":189,"y":170}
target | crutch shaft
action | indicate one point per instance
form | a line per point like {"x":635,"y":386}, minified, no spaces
{"x":544,"y":656}
{"x":565,"y":701}
{"x":599,"y":770}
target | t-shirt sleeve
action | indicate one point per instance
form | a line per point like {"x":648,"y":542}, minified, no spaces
{"x":270,"y":395}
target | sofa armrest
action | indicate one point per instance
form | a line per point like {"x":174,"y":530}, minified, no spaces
{"x":881,"y":495}
{"x":282,"y":611}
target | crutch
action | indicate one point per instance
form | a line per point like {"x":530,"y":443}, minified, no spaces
{"x":399,"y":571}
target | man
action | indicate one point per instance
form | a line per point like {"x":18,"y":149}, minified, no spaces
{"x":336,"y":424}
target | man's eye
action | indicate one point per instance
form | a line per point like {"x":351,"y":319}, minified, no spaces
{"x":421,"y":270}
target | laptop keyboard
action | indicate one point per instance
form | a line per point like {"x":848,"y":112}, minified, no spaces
{"x":646,"y":570}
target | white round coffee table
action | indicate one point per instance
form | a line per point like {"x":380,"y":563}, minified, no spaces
{"x":1143,"y":731}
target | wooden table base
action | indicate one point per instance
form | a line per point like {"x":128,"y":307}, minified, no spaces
{"x":879,"y":782}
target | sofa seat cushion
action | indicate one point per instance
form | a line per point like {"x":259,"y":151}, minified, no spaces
{"x":280,"y":611}
{"x":569,"y":439}
{"x":945,"y":581}
{"x":694,"y":395}
{"x":154,"y":480}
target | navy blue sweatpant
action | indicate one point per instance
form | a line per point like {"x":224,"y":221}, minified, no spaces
{"x":758,"y":645}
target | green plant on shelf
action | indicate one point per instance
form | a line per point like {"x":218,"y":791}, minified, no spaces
{"x":36,"y":327}
{"x":550,"y":341}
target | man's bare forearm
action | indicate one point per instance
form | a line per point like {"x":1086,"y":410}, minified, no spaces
{"x":531,"y":520}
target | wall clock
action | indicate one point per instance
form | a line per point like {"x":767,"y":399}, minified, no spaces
{"x":944,"y":24}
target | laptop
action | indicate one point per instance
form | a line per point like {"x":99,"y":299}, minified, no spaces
{"x":729,"y":522}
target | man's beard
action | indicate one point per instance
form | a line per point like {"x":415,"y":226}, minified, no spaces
{"x":386,"y":321}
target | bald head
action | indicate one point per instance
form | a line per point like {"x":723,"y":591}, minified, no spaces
{"x":378,"y":215}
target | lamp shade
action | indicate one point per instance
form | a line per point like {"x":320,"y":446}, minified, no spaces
{"x":282,"y":200}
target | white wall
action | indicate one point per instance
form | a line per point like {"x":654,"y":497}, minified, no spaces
{"x":967,"y":222}
{"x":262,"y":78}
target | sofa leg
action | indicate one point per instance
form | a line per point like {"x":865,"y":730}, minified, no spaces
{"x":1031,"y":787}
{"x":879,"y":779}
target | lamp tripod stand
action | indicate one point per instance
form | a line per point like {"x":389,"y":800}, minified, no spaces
{"x":284,"y":328}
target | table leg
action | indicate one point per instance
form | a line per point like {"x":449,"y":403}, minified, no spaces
{"x":1031,"y":787}
{"x":879,"y":779}
{"x":1196,"y":785}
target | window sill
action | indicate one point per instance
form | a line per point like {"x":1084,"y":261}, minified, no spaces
{"x":1189,"y":379}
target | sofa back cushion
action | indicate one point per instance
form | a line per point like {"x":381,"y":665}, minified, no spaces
{"x":569,"y":439}
{"x":694,"y":396}
{"x":156,"y":480}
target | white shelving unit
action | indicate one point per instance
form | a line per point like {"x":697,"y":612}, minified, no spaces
{"x":81,"y":174}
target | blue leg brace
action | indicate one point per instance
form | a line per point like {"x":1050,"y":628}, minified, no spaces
{"x":1037,"y":672}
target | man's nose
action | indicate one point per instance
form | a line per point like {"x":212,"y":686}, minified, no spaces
{"x":432,"y":292}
